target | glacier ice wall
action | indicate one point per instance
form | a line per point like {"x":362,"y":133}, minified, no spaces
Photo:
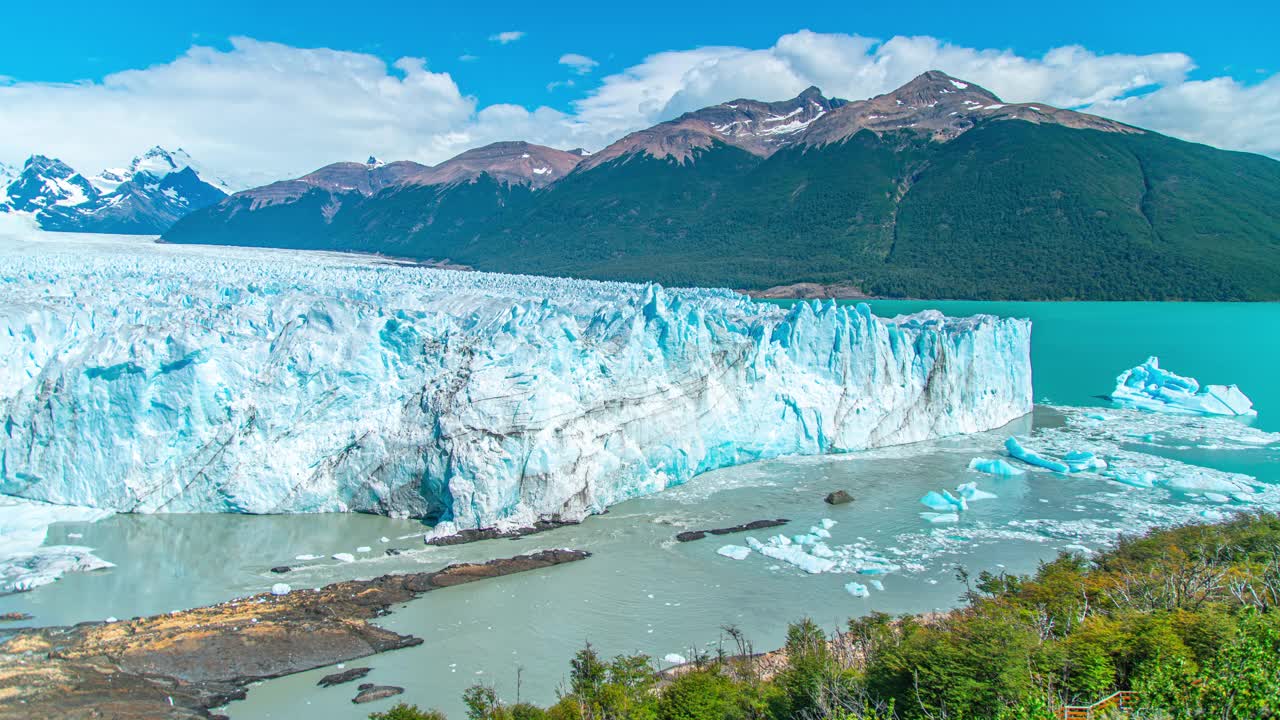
{"x":148,"y":378}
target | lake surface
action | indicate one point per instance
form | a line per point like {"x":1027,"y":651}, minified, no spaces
{"x":644,"y":592}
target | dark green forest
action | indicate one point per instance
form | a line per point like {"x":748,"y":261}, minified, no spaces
{"x":1185,"y":618}
{"x":1008,"y":210}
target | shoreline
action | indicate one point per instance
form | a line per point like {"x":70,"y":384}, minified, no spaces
{"x":185,"y":663}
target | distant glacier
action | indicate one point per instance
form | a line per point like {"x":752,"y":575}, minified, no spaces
{"x":148,"y":378}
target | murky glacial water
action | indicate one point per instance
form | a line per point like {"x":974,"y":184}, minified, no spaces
{"x":643,"y":592}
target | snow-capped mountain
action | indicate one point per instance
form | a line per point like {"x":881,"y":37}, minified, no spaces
{"x":46,"y":182}
{"x":158,"y":163}
{"x":146,"y":197}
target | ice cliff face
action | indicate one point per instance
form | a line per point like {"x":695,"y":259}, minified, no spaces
{"x":159,"y":379}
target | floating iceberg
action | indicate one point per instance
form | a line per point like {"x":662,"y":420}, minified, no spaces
{"x":676,"y":658}
{"x":970,"y":492}
{"x":1016,"y":450}
{"x":793,"y":554}
{"x":1135,"y":478}
{"x":155,"y":378}
{"x":736,"y":552}
{"x":281,"y":589}
{"x":857,"y":589}
{"x":997,"y":466}
{"x":1148,"y":387}
{"x":941,"y":518}
{"x":1082,"y":461}
{"x":943,"y":501}
{"x":828,"y":523}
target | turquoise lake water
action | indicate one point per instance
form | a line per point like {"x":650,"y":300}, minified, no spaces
{"x":641,"y":591}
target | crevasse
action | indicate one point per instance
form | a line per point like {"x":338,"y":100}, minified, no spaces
{"x":176,"y":380}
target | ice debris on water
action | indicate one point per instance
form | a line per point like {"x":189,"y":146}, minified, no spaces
{"x":779,"y":547}
{"x":344,"y":557}
{"x":353,"y":385}
{"x":941,"y":517}
{"x":970,"y":492}
{"x":828,"y":523}
{"x":996,"y":466}
{"x":675,"y":658}
{"x":280,"y":589}
{"x":1149,"y":387}
{"x":737,"y":552}
{"x":857,"y":589}
{"x":1016,"y":450}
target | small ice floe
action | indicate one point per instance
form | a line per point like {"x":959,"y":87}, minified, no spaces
{"x":997,"y":466}
{"x":1148,"y":387}
{"x":792,"y":554}
{"x":1134,"y":478}
{"x":943,"y":501}
{"x":857,"y":589}
{"x":307,"y":557}
{"x":828,"y":523}
{"x":819,"y":532}
{"x":736,"y":552}
{"x":363,"y":549}
{"x":1079,"y":548}
{"x":280,"y":589}
{"x":75,"y":536}
{"x":939,"y":518}
{"x":344,"y":557}
{"x":1084,"y":461}
{"x":969,"y":492}
{"x":1016,"y":450}
{"x":674,"y":658}
{"x":876,"y":584}
{"x":384,"y":539}
{"x":1217,"y":498}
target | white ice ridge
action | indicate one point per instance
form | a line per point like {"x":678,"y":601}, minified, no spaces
{"x":1148,"y":387}
{"x":152,"y":378}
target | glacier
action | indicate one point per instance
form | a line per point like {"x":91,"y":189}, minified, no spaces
{"x":143,"y":377}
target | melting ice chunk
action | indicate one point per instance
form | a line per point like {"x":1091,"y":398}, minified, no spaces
{"x":940,"y":518}
{"x":737,"y":552}
{"x":969,"y":492}
{"x":828,"y":523}
{"x":674,"y":658}
{"x":1081,"y":460}
{"x":1136,"y":478}
{"x":943,"y":501}
{"x":997,"y":466}
{"x":1148,"y":387}
{"x":1016,"y":450}
{"x":344,"y":557}
{"x":280,"y":589}
{"x":857,"y":589}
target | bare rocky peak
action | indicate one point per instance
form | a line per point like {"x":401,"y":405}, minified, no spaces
{"x":513,"y":163}
{"x":760,"y":128}
{"x":507,"y":162}
{"x":944,"y":107}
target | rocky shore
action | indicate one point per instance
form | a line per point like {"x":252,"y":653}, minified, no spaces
{"x":183,"y":664}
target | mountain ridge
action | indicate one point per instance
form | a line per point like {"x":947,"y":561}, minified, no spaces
{"x":147,"y":197}
{"x":936,"y":189}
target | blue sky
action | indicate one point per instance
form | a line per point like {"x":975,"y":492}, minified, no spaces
{"x":89,"y":40}
{"x":272,"y":89}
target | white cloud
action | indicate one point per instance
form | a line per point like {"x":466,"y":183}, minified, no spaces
{"x":508,"y":36}
{"x":468,"y":57}
{"x":559,"y":84}
{"x":261,"y":111}
{"x":581,"y":64}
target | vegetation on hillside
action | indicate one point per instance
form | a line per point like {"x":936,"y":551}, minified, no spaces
{"x":1007,"y":210}
{"x":1187,"y":618}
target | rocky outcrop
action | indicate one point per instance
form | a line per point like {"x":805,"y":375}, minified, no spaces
{"x":753,"y":525}
{"x":181,"y":664}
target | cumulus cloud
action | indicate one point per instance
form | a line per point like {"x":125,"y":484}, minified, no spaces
{"x":260,"y":111}
{"x":507,"y":36}
{"x":581,"y":64}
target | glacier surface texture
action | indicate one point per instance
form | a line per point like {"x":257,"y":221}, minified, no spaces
{"x":150,"y":378}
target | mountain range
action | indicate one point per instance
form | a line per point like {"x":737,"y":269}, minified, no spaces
{"x":146,"y":197}
{"x":938,"y":189}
